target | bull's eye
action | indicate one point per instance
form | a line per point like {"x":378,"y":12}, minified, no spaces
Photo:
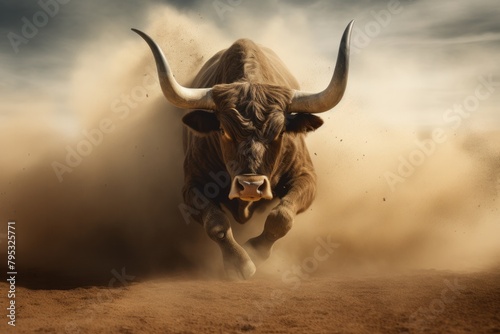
{"x":224,"y":134}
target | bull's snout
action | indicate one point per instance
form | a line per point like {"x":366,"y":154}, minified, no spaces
{"x":250,"y":187}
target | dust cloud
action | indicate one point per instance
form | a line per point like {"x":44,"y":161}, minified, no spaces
{"x":93,"y":178}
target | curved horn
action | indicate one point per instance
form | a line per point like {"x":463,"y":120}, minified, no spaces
{"x":180,"y":96}
{"x":303,"y":102}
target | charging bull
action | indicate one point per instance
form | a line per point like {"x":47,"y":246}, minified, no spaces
{"x":248,"y":120}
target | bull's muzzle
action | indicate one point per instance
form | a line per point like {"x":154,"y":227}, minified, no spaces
{"x":250,"y":188}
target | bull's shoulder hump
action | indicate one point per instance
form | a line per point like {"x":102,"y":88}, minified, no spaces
{"x":247,"y":46}
{"x":245,"y":43}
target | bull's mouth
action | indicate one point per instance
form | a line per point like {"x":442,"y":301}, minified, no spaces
{"x":250,"y":188}
{"x":250,"y":199}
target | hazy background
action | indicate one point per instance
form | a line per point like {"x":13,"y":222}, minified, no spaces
{"x":119,"y":206}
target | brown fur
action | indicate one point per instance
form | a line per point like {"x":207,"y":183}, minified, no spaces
{"x":249,"y":132}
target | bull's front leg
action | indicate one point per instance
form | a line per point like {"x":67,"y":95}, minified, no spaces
{"x":237,"y":263}
{"x":298,"y":197}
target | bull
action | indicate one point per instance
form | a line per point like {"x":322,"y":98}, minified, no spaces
{"x":248,"y":119}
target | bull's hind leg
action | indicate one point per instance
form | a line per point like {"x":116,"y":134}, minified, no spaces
{"x":298,"y":198}
{"x":237,"y":263}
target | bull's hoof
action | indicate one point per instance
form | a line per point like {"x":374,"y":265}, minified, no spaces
{"x":240,"y":272}
{"x":237,"y":264}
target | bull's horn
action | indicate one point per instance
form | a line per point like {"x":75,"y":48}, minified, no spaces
{"x":304,"y":102}
{"x":181,"y":97}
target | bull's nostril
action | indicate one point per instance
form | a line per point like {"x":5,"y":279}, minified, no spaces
{"x":250,"y":188}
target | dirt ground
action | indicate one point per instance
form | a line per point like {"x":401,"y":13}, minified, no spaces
{"x":416,"y":302}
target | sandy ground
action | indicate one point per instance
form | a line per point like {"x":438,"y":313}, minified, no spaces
{"x":417,"y":302}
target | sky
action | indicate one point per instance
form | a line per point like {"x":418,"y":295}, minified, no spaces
{"x":411,"y":152}
{"x":416,"y":58}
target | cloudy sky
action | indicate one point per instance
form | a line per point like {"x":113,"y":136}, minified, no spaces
{"x":422,"y":54}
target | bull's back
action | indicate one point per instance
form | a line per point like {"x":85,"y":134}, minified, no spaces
{"x":244,"y":61}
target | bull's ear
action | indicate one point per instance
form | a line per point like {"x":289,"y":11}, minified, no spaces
{"x":301,"y":123}
{"x":201,"y":121}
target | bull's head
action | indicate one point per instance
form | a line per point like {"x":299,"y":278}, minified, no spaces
{"x":252,"y":119}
